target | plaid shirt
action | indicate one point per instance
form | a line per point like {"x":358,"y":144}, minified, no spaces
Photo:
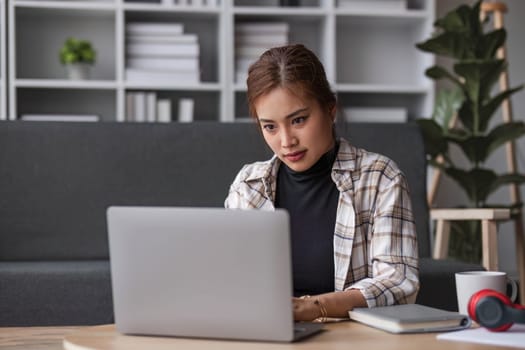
{"x":375,"y":243}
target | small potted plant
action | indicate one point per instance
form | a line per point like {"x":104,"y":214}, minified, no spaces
{"x":78,"y":56}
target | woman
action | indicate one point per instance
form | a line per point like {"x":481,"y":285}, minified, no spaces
{"x":353,"y":234}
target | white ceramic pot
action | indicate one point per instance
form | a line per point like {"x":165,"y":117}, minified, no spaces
{"x":78,"y":71}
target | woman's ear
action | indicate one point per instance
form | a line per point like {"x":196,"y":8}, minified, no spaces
{"x":333,"y":113}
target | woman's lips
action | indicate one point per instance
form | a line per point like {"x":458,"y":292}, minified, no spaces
{"x":295,"y":156}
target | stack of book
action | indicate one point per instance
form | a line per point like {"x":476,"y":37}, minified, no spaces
{"x":253,"y":39}
{"x":145,"y":106}
{"x":161,"y":52}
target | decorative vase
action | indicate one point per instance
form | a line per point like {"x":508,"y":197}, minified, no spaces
{"x":78,"y":71}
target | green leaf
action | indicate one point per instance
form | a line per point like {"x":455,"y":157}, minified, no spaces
{"x":477,"y":182}
{"x":489,"y":108}
{"x":506,"y":179}
{"x":480,"y":76}
{"x":446,"y":106}
{"x":437,"y":73}
{"x":475,"y":148}
{"x":489,"y":43}
{"x":435,"y":142}
{"x":455,"y":45}
{"x":504,"y":133}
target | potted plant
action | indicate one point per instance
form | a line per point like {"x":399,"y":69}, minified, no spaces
{"x":461,"y":36}
{"x":78,"y":56}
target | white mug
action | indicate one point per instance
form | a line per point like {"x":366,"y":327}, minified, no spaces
{"x":470,"y":282}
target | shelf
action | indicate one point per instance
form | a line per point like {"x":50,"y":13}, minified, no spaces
{"x":96,"y":6}
{"x":173,"y":87}
{"x":69,"y":84}
{"x":402,"y":14}
{"x":187,"y":10}
{"x":369,"y":55}
{"x":289,"y":12}
{"x":384,"y":89}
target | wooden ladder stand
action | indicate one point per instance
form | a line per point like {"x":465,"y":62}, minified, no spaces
{"x":487,"y":216}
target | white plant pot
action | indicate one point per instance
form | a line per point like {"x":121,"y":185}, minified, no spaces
{"x":78,"y":71}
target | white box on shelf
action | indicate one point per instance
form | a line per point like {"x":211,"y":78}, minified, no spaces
{"x":139,"y":107}
{"x":154,"y":28}
{"x":269,"y":40}
{"x":375,"y":114}
{"x":151,"y":107}
{"x":164,"y":110}
{"x":186,"y":110}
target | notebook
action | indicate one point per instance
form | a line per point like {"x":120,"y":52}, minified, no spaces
{"x":410,"y":318}
{"x":203,"y":272}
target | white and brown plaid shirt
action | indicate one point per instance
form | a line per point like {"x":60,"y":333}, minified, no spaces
{"x":375,"y":242}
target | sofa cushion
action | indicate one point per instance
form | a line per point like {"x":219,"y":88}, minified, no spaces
{"x":438,"y":283}
{"x":59,"y":178}
{"x":55,"y":293}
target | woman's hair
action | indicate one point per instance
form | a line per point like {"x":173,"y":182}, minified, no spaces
{"x":293,"y":67}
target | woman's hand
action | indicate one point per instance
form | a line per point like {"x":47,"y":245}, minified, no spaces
{"x":334,"y":304}
{"x":305,"y":309}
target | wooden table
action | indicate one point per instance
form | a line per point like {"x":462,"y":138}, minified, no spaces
{"x":343,"y":336}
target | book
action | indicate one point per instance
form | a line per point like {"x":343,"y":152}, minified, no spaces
{"x":164,"y":63}
{"x":162,"y":39}
{"x":172,"y":77}
{"x":410,"y":318}
{"x":164,"y":50}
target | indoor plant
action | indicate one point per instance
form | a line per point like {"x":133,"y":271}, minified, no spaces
{"x":78,"y":56}
{"x":461,"y":36}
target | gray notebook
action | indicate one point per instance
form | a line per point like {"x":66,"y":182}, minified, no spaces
{"x":410,"y":318}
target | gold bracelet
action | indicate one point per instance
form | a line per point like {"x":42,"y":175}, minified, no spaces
{"x":317,"y":302}
{"x":324,"y":313}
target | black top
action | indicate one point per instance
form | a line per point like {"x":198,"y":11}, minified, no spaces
{"x":311,"y":199}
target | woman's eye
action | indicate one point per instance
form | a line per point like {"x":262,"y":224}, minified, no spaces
{"x":298,"y":120}
{"x":268,"y":127}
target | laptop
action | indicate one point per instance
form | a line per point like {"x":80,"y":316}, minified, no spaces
{"x":203,"y":272}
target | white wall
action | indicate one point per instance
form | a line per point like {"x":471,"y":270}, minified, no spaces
{"x":448,"y":193}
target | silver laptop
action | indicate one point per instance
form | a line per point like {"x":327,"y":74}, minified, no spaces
{"x":203,"y":272}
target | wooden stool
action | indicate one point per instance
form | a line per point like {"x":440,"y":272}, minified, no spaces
{"x":489,"y":220}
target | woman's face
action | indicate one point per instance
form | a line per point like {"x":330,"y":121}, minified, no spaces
{"x":297,"y":129}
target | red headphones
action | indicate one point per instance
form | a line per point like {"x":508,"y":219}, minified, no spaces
{"x":494,"y":310}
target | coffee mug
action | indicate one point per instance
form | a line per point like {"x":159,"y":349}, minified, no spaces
{"x":470,"y":282}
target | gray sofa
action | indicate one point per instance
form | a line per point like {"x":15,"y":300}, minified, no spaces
{"x":57,"y":179}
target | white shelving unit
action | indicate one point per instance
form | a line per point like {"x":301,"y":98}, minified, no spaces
{"x":3,"y":62}
{"x":369,"y":56}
